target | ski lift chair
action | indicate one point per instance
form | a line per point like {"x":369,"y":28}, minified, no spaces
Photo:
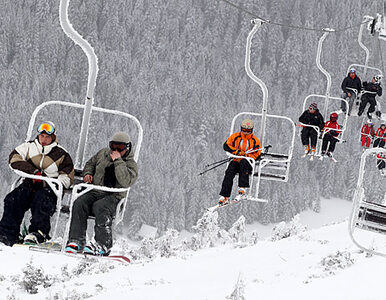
{"x":326,"y":111}
{"x":79,"y":188}
{"x":359,"y":67}
{"x":270,"y":166}
{"x":367,"y":221}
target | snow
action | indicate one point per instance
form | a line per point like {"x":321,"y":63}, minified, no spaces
{"x":319,"y":263}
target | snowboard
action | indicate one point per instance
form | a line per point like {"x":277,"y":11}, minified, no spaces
{"x":54,"y":247}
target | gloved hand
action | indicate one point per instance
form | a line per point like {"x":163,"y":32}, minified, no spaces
{"x":34,"y":181}
{"x":321,"y":135}
{"x":239,"y":152}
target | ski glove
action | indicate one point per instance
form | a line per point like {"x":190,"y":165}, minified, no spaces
{"x":34,"y":181}
{"x":240,"y":153}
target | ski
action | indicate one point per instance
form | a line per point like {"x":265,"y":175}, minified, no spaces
{"x":52,"y":247}
{"x":230,"y":202}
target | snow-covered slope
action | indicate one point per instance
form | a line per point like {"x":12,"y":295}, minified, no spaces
{"x":320,"y":263}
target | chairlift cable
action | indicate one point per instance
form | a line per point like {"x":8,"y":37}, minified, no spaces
{"x":287,"y":25}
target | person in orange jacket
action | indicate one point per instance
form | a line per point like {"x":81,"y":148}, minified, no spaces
{"x":367,"y":133}
{"x":242,"y":143}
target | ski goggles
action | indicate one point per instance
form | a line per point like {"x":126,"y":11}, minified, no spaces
{"x":47,"y":128}
{"x":246,"y":130}
{"x":116,"y":146}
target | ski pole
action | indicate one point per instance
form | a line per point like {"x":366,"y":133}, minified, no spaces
{"x":222,"y":163}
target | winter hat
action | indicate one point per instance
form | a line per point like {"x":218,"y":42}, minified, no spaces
{"x":369,"y":122}
{"x":120,"y":137}
{"x":247,"y":124}
{"x":314,"y":106}
{"x":378,"y":78}
{"x":352,"y":70}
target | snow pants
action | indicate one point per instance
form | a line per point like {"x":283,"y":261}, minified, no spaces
{"x":102,"y":206}
{"x":41,"y":201}
{"x":381,"y":164}
{"x":243,"y":168}
{"x":364,"y":101}
{"x":350,"y":102}
{"x":379,"y":143}
{"x":329,"y":138}
{"x":308,"y":135}
{"x":366,"y":141}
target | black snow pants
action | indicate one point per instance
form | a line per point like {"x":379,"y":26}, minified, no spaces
{"x":329,"y":138}
{"x":308,"y":135}
{"x":243,"y":168}
{"x":102,"y":206}
{"x":379,"y":143}
{"x":41,"y":201}
{"x":364,"y":101}
{"x":381,"y":164}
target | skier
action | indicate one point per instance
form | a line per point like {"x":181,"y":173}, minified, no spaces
{"x":242,"y":143}
{"x":330,"y":135}
{"x":352,"y":81}
{"x":381,"y":158}
{"x":309,"y":135}
{"x":380,"y":136}
{"x":42,"y":156}
{"x":111,"y":167}
{"x":371,"y":89}
{"x":367,"y":133}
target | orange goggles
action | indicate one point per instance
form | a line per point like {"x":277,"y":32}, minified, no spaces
{"x":47,"y":128}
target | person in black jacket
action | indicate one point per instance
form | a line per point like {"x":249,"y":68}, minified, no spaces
{"x":309,"y":134}
{"x":352,"y":81}
{"x":371,"y":89}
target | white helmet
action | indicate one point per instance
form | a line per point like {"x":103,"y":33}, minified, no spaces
{"x":378,"y":78}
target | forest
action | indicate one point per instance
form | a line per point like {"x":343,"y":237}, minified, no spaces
{"x":178,"y":66}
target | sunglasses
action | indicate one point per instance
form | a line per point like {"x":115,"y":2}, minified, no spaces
{"x":47,"y":128}
{"x":114,"y":146}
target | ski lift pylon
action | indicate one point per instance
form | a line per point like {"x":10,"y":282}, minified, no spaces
{"x":275,"y":162}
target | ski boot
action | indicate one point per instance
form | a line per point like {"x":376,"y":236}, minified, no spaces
{"x":223,"y":201}
{"x":73,"y":248}
{"x":306,"y":151}
{"x":96,"y":249}
{"x":242,"y":194}
{"x":312,"y":153}
{"x":322,"y":155}
{"x":35,"y":238}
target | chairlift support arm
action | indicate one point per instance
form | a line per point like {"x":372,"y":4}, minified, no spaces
{"x":92,"y":75}
{"x":256,"y":25}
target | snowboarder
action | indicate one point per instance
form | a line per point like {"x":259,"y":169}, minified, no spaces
{"x":111,"y":167}
{"x":371,"y":89}
{"x":42,"y":156}
{"x":380,"y":136}
{"x":367,"y":133}
{"x":330,"y":135}
{"x":352,"y":81}
{"x":309,"y":135}
{"x":242,"y":143}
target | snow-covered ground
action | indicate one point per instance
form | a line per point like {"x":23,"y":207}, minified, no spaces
{"x":320,"y":263}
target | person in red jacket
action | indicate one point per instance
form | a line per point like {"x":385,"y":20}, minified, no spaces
{"x":242,"y":143}
{"x":380,"y":136}
{"x":367,"y":132}
{"x":331,"y":132}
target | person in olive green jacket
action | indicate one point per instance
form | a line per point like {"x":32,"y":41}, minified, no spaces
{"x":111,"y":167}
